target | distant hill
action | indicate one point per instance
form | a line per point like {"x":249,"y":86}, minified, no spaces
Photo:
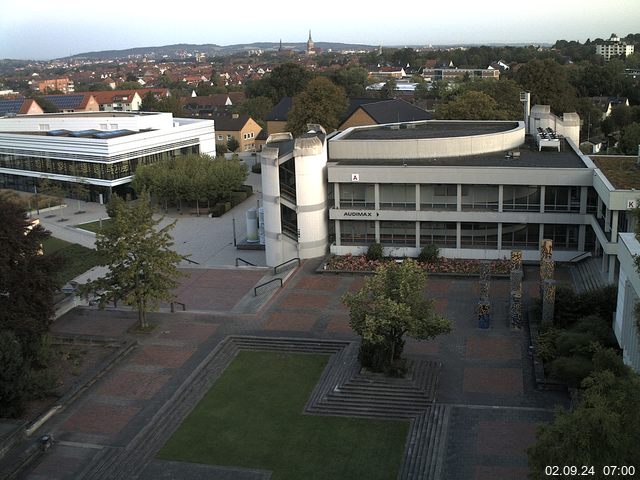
{"x":210,"y":49}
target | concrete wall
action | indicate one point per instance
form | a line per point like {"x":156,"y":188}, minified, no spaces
{"x":568,"y":125}
{"x":624,"y":324}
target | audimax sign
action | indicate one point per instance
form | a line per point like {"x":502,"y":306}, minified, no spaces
{"x":360,"y":213}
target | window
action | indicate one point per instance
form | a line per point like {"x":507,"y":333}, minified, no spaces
{"x":562,"y":199}
{"x":479,"y":235}
{"x":565,"y":237}
{"x":220,"y":137}
{"x":353,"y":232}
{"x":521,"y":198}
{"x":229,"y":137}
{"x":359,"y":195}
{"x":520,"y":235}
{"x":400,"y":196}
{"x":439,"y":197}
{"x":398,"y":233}
{"x":441,"y":234}
{"x":480,"y":197}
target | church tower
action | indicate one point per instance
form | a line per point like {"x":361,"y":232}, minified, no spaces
{"x":310,"y":46}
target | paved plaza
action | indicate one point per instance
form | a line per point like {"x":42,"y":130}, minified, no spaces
{"x":485,"y":387}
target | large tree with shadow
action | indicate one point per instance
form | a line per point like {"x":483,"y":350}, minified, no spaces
{"x":390,"y":305}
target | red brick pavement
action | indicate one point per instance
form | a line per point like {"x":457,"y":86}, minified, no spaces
{"x":93,"y":417}
{"x":510,"y":439}
{"x":299,"y":322}
{"x":357,"y":283}
{"x":215,"y":289}
{"x":441,"y":305}
{"x":339,"y":324}
{"x":301,"y":300}
{"x":320,"y":282}
{"x":162,"y":356}
{"x":493,"y":347}
{"x":187,"y":331}
{"x":501,"y":473}
{"x":133,"y":384}
{"x":493,"y":380}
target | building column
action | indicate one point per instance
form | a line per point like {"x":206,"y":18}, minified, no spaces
{"x":614,"y":226}
{"x":612,"y":268}
{"x":459,"y":202}
{"x":418,"y":235}
{"x":607,"y":221}
{"x":599,"y":209}
{"x":458,"y":232}
{"x":500,"y":228}
{"x":377,"y":231}
{"x":376,"y":199}
{"x":582,"y":234}
{"x":336,"y":195}
{"x":500,"y":202}
{"x":417,"y":197}
{"x":584,"y":192}
{"x":543,"y":194}
{"x":337,"y":232}
{"x":541,"y":235}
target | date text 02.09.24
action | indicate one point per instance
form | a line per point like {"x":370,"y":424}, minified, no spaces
{"x":568,"y":471}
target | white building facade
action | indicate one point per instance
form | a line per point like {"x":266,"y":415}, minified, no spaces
{"x":100,"y":149}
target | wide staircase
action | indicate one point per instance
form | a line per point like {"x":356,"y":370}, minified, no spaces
{"x":587,"y":275}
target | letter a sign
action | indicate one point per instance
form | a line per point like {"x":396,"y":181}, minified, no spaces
{"x":355,"y":177}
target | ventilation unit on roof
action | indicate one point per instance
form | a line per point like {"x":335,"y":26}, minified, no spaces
{"x":394,"y":127}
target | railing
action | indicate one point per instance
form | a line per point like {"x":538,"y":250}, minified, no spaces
{"x":173,"y":308}
{"x":190,"y":261}
{"x":255,"y":290}
{"x":582,"y":256}
{"x":275,"y":269}
{"x":238,"y":259}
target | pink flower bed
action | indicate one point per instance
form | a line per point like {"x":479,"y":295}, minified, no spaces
{"x":359,"y":263}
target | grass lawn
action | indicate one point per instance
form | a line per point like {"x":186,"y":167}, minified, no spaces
{"x":252,"y":418}
{"x":76,"y":258}
{"x":94,"y":226}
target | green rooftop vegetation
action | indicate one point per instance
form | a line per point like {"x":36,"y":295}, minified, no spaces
{"x":622,"y":171}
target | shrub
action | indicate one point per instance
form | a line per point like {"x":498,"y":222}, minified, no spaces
{"x":237,"y":197}
{"x":547,"y":345}
{"x":217,"y":210}
{"x":570,"y":343}
{"x":429,"y":254}
{"x":375,"y":252}
{"x":256,"y":168}
{"x":571,"y":370}
{"x":597,"y":326}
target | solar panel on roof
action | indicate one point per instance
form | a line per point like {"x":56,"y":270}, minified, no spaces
{"x":58,"y":133}
{"x":10,"y":106}
{"x":112,"y":134}
{"x":84,"y":133}
{"x":65,"y":102}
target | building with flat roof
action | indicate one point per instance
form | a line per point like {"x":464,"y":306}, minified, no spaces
{"x":100,"y":149}
{"x":614,"y":47}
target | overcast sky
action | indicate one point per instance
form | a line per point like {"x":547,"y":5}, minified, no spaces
{"x":38,"y":29}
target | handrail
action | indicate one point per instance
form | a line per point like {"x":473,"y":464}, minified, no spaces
{"x":238,"y":259}
{"x":577,"y":258}
{"x":190,"y":261}
{"x":173,"y":309}
{"x":255,"y":290}
{"x":275,"y":269}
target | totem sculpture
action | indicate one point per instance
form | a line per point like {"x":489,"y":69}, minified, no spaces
{"x":515,"y":299}
{"x":547,"y":283}
{"x":484,"y":305}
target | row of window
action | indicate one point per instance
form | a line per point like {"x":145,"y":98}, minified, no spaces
{"x":473,"y":197}
{"x":444,"y":234}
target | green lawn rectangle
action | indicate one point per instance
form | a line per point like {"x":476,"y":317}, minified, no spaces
{"x":75,"y":258}
{"x":253,"y":418}
{"x":94,"y":226}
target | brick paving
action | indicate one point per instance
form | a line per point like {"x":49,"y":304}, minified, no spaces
{"x":485,"y":382}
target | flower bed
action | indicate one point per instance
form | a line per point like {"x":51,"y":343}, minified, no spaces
{"x":459,"y":266}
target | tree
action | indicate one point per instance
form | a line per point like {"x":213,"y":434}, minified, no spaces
{"x":353,"y":79}
{"x":321,"y":102}
{"x":143,"y":270}
{"x":233,"y":144}
{"x":630,"y":139}
{"x":471,"y":105}
{"x":286,"y":80}
{"x":601,"y":430}
{"x":388,"y":90}
{"x":548,"y":83}
{"x":257,"y":108}
{"x":389,"y":306}
{"x":150,"y":103}
{"x":13,"y":375}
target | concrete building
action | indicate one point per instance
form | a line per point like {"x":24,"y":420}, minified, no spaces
{"x":450,"y":74}
{"x":614,"y":48}
{"x":100,"y":149}
{"x":624,"y":325}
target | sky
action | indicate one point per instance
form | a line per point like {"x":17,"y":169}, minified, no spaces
{"x":43,"y":30}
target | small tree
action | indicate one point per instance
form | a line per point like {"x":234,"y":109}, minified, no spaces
{"x":233,"y":144}
{"x":143,"y":270}
{"x":388,"y":306}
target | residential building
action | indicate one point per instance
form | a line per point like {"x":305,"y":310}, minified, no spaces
{"x":369,"y":111}
{"x":63,"y":85}
{"x":118,"y":100}
{"x":210,"y":105}
{"x":606,"y":104}
{"x":19,"y":106}
{"x":76,"y":102}
{"x":614,"y":48}
{"x":277,"y":118}
{"x":449,"y":74}
{"x":241,"y":127}
{"x":100,"y":149}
